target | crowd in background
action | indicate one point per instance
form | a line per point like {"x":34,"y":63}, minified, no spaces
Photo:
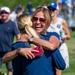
{"x":66,"y":11}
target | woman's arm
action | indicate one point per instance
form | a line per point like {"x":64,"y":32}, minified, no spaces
{"x":26,"y":52}
{"x":58,"y":60}
{"x":52,"y":44}
{"x":66,"y":29}
{"x":9,"y":56}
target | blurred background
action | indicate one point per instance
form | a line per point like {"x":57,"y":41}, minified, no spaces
{"x":67,"y":11}
{"x":67,"y":8}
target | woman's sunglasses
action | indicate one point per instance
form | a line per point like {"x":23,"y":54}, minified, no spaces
{"x":40,"y":19}
{"x":51,"y":9}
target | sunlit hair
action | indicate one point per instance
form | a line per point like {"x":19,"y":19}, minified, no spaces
{"x":46,"y":13}
{"x":25,"y":25}
{"x":24,"y":20}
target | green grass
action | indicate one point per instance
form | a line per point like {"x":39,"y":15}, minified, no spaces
{"x":13,"y":3}
{"x":71,"y":47}
{"x":4,"y":70}
{"x":70,"y":43}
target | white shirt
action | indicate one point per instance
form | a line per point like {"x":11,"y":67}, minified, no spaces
{"x":57,"y":27}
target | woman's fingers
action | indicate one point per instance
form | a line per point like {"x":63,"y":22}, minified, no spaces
{"x":27,"y":52}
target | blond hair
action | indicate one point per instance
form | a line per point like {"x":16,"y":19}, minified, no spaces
{"x":46,"y":13}
{"x":24,"y":22}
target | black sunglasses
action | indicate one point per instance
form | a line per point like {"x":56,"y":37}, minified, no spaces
{"x":51,"y":8}
{"x":40,"y":19}
{"x":3,"y":12}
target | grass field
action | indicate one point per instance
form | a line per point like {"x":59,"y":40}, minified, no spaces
{"x":70,"y":43}
{"x":71,"y":46}
{"x":13,"y":3}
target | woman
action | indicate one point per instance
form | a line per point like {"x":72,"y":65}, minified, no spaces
{"x":51,"y":59}
{"x":60,"y":26}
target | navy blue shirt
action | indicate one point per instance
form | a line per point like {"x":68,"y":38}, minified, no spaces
{"x":44,"y":65}
{"x":7,"y":32}
{"x":17,"y":62}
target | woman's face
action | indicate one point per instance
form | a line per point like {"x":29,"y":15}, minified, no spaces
{"x":52,"y":11}
{"x":39,"y":22}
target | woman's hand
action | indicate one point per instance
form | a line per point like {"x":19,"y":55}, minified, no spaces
{"x":63,"y":38}
{"x":24,"y":37}
{"x":27,"y":52}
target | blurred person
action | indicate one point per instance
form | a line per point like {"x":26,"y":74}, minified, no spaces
{"x":13,"y":16}
{"x":8,"y":30}
{"x":50,"y":59}
{"x":73,"y":9}
{"x":69,"y":7}
{"x":21,"y":11}
{"x":63,"y":10}
{"x":73,"y":5}
{"x":29,"y":6}
{"x":33,"y":9}
{"x":60,"y":26}
{"x":16,"y":13}
{"x":45,"y":5}
{"x":60,"y":9}
{"x":0,"y":17}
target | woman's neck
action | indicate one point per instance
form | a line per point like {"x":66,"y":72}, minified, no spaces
{"x":54,"y":19}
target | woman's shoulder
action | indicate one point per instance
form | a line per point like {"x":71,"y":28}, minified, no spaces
{"x":60,"y":19}
{"x":20,"y":44}
{"x":53,"y":34}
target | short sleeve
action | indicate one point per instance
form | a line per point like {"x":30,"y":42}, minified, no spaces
{"x":17,"y":45}
{"x":56,"y":34}
{"x":53,"y":34}
{"x":58,"y":60}
{"x":15,"y":28}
